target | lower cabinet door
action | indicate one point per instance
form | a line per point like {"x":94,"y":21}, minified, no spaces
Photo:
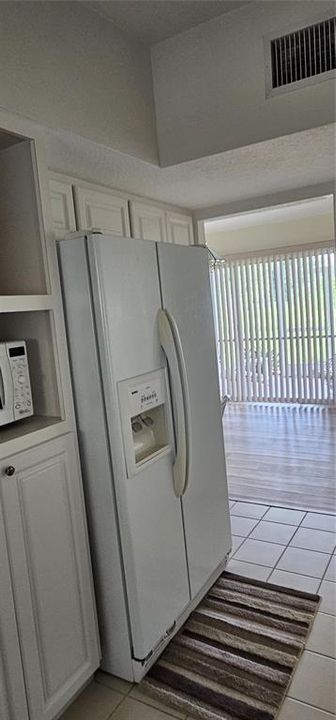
{"x":13,"y":703}
{"x":50,"y":569}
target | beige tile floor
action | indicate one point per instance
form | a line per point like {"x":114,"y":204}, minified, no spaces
{"x":287,"y":547}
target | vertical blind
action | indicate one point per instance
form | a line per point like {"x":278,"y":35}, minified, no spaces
{"x":275,"y":326}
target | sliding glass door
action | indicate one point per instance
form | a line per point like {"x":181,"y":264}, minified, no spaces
{"x":275,"y":322}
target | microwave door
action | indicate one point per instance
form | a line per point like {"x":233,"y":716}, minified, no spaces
{"x":6,"y":389}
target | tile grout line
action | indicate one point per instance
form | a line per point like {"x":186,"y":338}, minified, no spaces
{"x":297,"y":527}
{"x":299,"y":547}
{"x":273,"y":542}
{"x":326,"y":570}
{"x":148,"y":704}
{"x":145,"y":705}
{"x":254,"y":528}
{"x":275,"y":567}
{"x":117,"y":706}
{"x":284,"y":507}
{"x":290,"y":572}
{"x":306,"y":704}
{"x":256,"y":564}
{"x":283,"y":522}
{"x":124,"y":694}
{"x":278,"y":560}
{"x":247,"y":536}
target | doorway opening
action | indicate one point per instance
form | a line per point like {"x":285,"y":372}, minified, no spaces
{"x":273,"y":285}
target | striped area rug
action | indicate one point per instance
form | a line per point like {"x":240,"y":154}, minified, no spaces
{"x":235,"y":656}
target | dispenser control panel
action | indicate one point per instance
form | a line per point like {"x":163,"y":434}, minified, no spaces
{"x":146,"y":396}
{"x":146,"y":419}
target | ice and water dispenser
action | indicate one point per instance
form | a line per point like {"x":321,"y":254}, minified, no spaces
{"x":145,"y":416}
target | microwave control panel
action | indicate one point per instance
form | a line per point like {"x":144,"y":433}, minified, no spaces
{"x":22,"y":401}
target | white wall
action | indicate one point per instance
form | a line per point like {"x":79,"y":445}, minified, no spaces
{"x":66,"y":67}
{"x":301,"y":224}
{"x":209,"y":83}
{"x":265,"y":237}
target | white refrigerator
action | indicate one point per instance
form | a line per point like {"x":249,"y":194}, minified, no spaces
{"x":143,"y":361}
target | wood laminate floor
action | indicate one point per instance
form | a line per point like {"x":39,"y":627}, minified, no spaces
{"x":282,"y":455}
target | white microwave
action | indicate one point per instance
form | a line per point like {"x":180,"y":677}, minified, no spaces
{"x":15,"y":392}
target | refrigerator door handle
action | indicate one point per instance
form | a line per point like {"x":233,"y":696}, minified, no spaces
{"x":172,"y":348}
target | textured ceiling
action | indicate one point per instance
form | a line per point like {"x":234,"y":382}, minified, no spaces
{"x":154,"y":20}
{"x":282,"y":164}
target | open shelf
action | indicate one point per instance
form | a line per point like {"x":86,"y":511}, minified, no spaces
{"x":24,"y":303}
{"x":24,"y":427}
{"x":22,"y":258}
{"x":37,"y":329}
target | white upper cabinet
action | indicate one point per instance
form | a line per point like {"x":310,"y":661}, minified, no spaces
{"x":148,"y":222}
{"x":62,"y":207}
{"x":101,"y":210}
{"x":47,"y":546}
{"x":179,"y":228}
{"x":86,"y":207}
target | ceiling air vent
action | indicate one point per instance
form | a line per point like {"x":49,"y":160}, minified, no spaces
{"x":303,"y":54}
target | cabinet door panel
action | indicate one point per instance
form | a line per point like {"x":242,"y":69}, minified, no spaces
{"x":103,"y":211}
{"x":62,"y":208}
{"x":51,"y":580}
{"x":180,"y":229}
{"x":12,"y":689}
{"x":148,"y":222}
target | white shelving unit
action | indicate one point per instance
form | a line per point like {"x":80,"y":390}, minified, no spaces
{"x":29,"y":294}
{"x":45,"y":565}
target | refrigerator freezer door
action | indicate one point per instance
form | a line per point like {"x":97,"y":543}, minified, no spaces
{"x":126,"y":291}
{"x":186,"y":297}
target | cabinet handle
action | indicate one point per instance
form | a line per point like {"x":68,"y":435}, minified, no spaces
{"x":10,"y":470}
